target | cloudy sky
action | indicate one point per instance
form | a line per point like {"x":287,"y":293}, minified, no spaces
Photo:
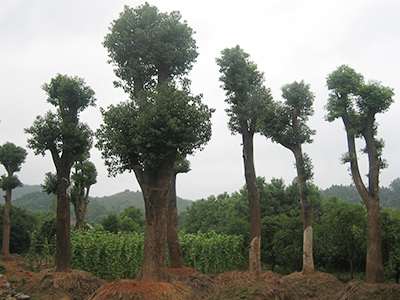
{"x":289,"y":40}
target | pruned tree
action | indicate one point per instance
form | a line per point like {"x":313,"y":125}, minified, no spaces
{"x":357,"y":104}
{"x":182,"y":165}
{"x":285,"y":123}
{"x":66,"y":138}
{"x":151,"y":51}
{"x":248,"y":100}
{"x":11,"y":157}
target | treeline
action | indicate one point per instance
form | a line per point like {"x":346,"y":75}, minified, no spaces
{"x":340,"y":228}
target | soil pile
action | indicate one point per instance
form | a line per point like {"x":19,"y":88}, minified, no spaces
{"x":360,"y":290}
{"x":50,"y":285}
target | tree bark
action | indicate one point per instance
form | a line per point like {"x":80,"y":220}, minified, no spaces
{"x":370,"y":197}
{"x":63,"y":238}
{"x":254,"y":205}
{"x":155,"y":185}
{"x":308,"y":260}
{"x":85,"y":208}
{"x":5,"y":249}
{"x":174,"y":246}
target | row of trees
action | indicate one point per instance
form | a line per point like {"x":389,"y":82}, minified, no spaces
{"x":163,"y":122}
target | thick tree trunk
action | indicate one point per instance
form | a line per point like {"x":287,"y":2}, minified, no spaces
{"x":174,"y":246}
{"x":374,"y":268}
{"x":5,"y":249}
{"x":254,"y":205}
{"x":308,"y":260}
{"x":155,"y":185}
{"x":63,"y":238}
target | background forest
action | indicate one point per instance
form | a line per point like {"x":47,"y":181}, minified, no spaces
{"x":339,"y":217}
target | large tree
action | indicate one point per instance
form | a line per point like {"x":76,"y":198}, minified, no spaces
{"x":357,"y":104}
{"x":11,"y":157}
{"x":66,"y":138}
{"x":248,"y":100}
{"x":182,"y":165}
{"x":285,"y":124}
{"x":151,"y":51}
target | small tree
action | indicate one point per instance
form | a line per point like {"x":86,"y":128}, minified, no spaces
{"x":357,"y":104}
{"x":11,"y":157}
{"x":66,"y":138}
{"x":84,"y":176}
{"x":286,"y":125}
{"x":248,"y":100}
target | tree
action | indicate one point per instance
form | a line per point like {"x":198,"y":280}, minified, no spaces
{"x":111,"y":223}
{"x":357,"y":104}
{"x":182,"y":165}
{"x":66,"y":138}
{"x":83,"y":177}
{"x":286,"y":125}
{"x":248,"y":100}
{"x":152,"y":51}
{"x":11,"y":157}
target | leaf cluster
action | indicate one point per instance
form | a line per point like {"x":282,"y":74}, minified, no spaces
{"x":144,"y":42}
{"x":142,"y":132}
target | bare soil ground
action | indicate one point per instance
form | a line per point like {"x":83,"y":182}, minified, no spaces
{"x":188,"y":284}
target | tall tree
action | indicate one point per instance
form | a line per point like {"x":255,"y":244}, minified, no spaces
{"x":182,"y":165}
{"x":11,"y":157}
{"x":83,"y":177}
{"x":66,"y":138}
{"x":151,"y":51}
{"x":357,"y":104}
{"x":248,"y":100}
{"x":286,"y":124}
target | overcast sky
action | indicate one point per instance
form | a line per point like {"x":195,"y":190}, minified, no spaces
{"x":289,"y":40}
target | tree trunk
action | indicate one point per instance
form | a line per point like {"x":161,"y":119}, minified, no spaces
{"x":5,"y":249}
{"x":374,"y":268}
{"x":63,"y":238}
{"x":78,"y":211}
{"x":254,"y":205}
{"x":174,"y":246}
{"x":85,"y":208}
{"x":155,"y":185}
{"x":308,"y":260}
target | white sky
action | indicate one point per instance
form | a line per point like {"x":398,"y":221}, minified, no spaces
{"x":289,"y":40}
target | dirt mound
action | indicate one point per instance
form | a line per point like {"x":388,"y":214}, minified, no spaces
{"x":316,"y":286}
{"x":202,"y":285}
{"x":125,"y":289}
{"x":360,"y":290}
{"x":50,"y":285}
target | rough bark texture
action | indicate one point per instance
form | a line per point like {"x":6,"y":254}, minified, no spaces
{"x":371,"y":198}
{"x":174,"y":246}
{"x":63,"y":238}
{"x":155,"y":185}
{"x":254,"y":205}
{"x":5,"y":249}
{"x":308,"y":260}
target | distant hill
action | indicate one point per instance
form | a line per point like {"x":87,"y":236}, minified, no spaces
{"x":32,"y":198}
{"x":20,"y":191}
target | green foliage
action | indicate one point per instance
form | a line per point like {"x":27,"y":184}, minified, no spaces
{"x":62,"y":131}
{"x":111,"y":223}
{"x":11,"y":157}
{"x":50,"y":183}
{"x":243,"y":83}
{"x":391,"y":242}
{"x":22,"y":222}
{"x":162,"y":122}
{"x":144,"y":43}
{"x":9,"y":182}
{"x":211,"y":252}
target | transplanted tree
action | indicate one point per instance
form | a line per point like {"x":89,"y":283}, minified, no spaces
{"x":248,"y":100}
{"x":357,"y":104}
{"x":182,"y":165}
{"x":286,"y":125}
{"x":11,"y":157}
{"x":84,"y":175}
{"x":151,"y":50}
{"x":66,"y":138}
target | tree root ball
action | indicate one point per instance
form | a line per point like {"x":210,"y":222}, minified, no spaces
{"x":75,"y":285}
